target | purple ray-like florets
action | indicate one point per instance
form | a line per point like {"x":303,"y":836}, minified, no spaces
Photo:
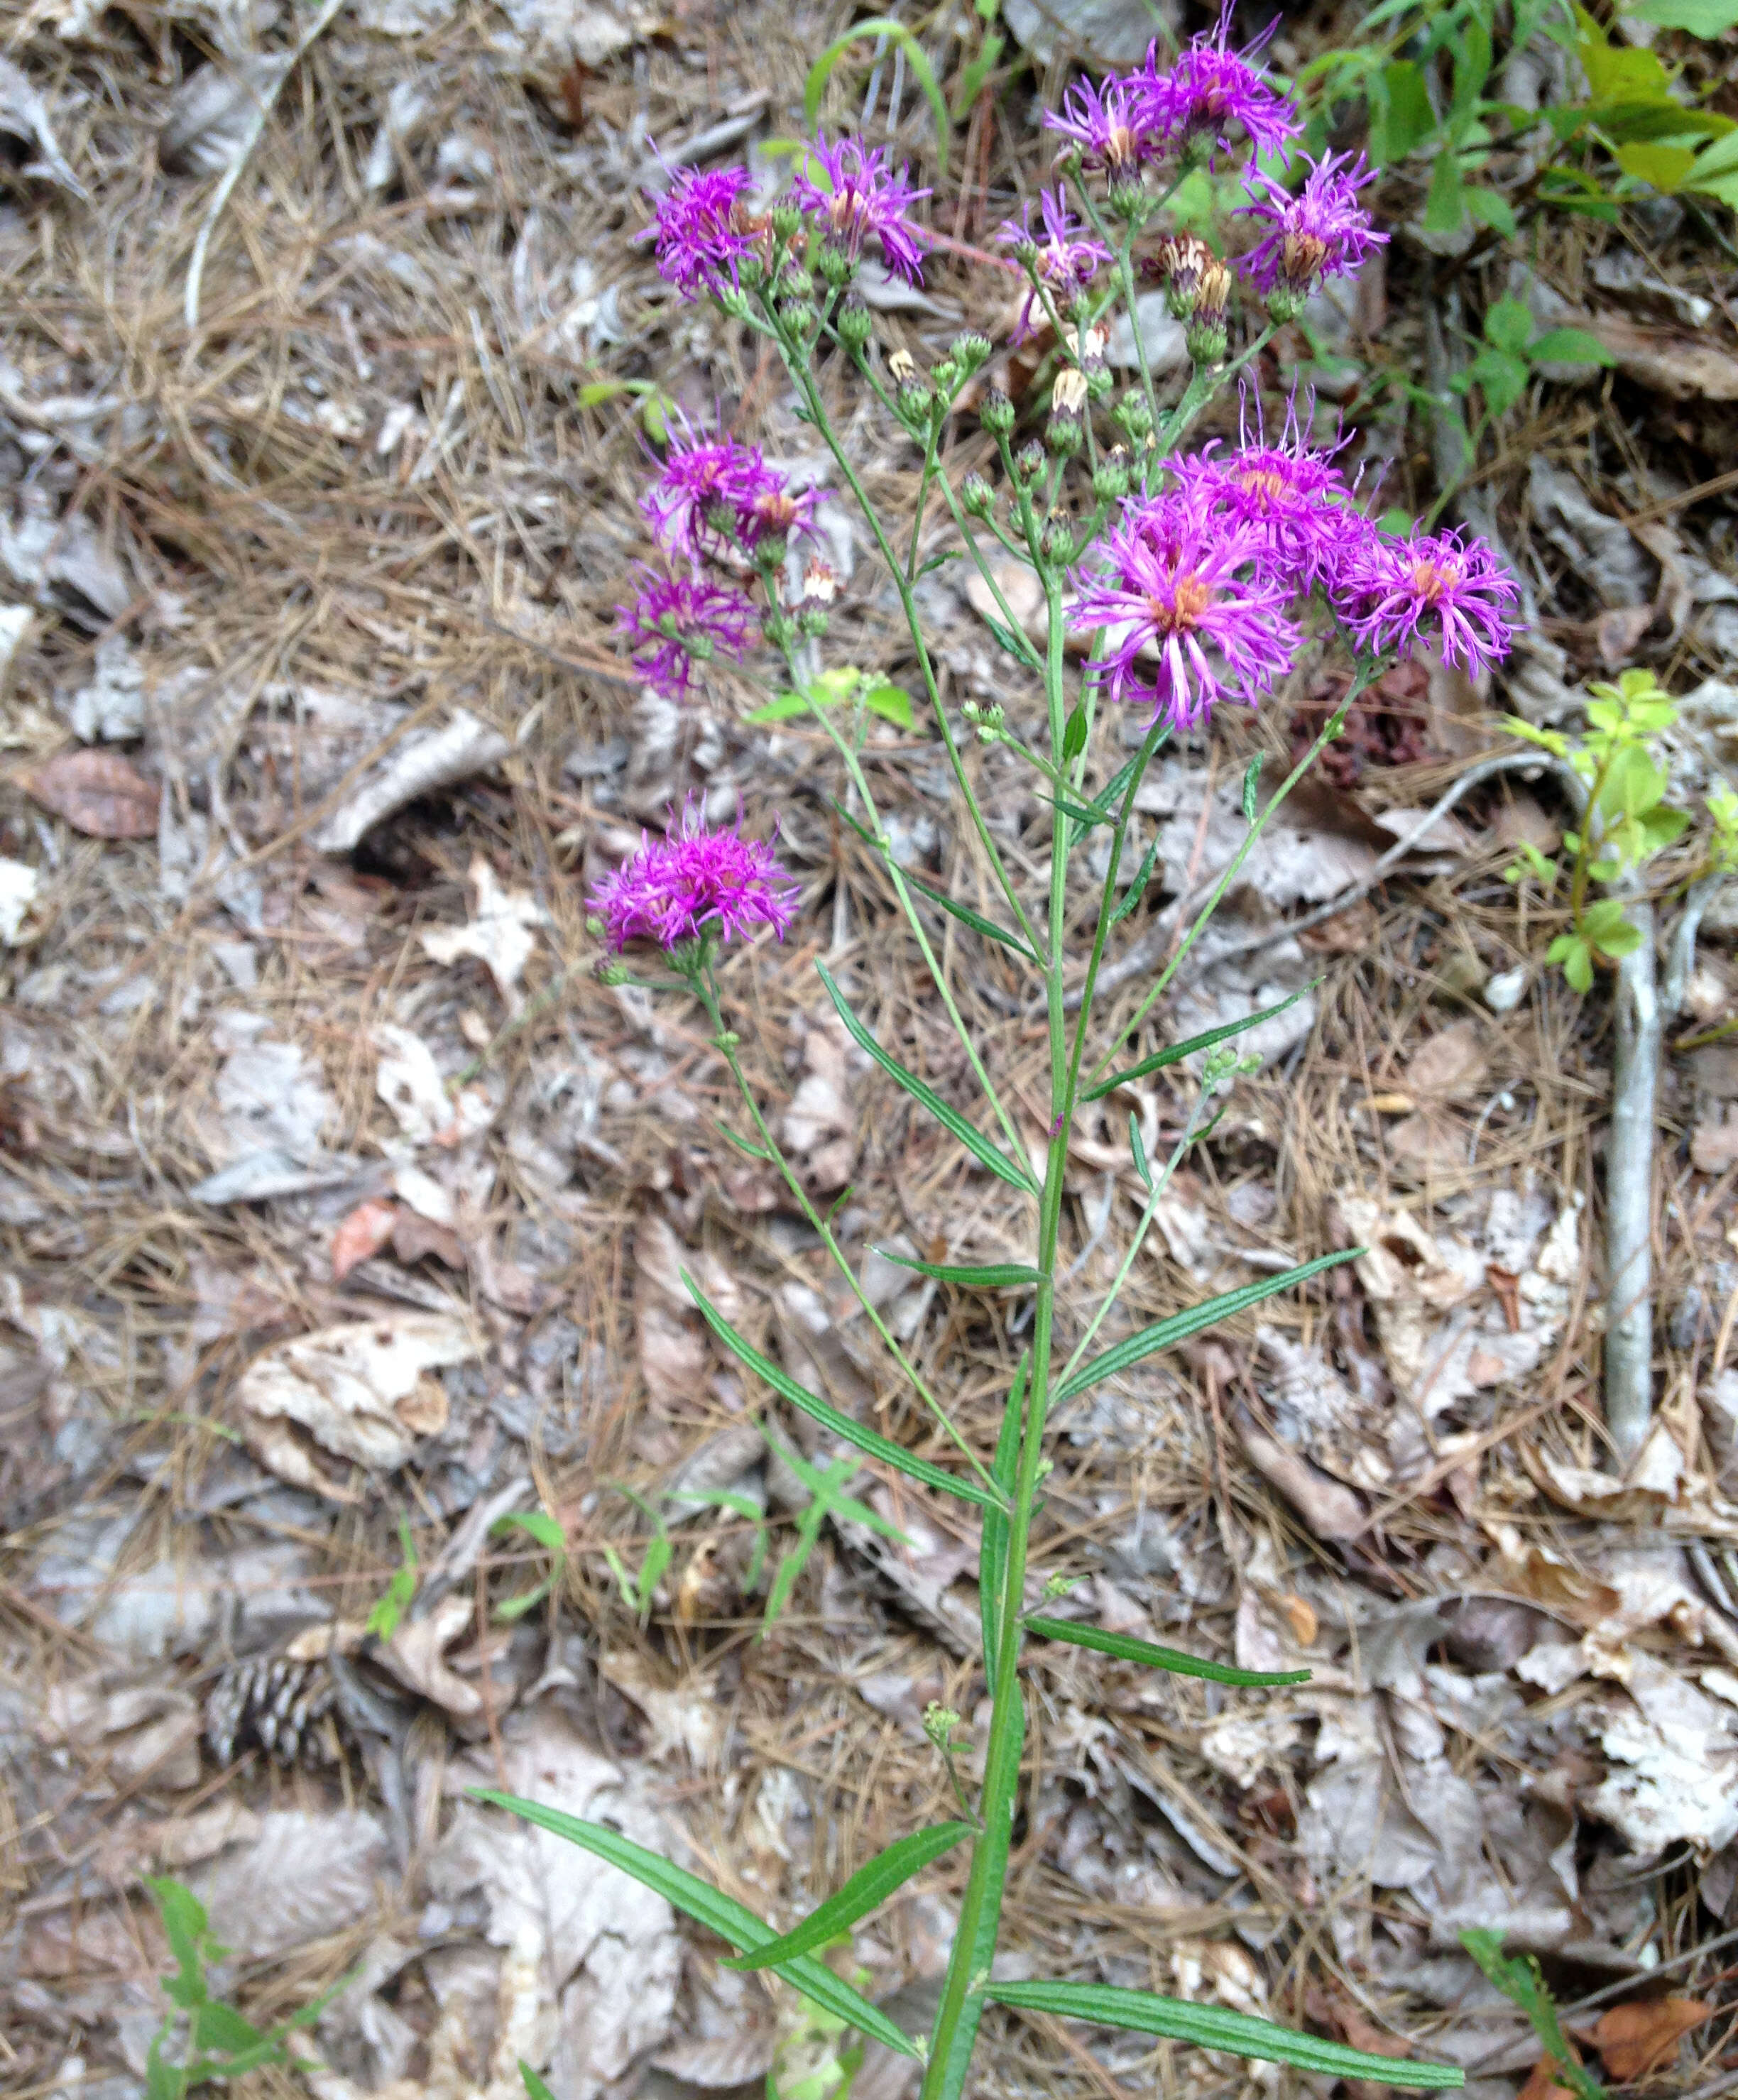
{"x":1065,"y":261}
{"x":700,"y":231}
{"x":1322,"y":231}
{"x":1189,"y":585}
{"x":715,"y":498}
{"x":1209,"y":91}
{"x":1444,"y":588}
{"x":1108,"y":121}
{"x":1289,"y":493}
{"x":678,"y":622}
{"x":863,"y":196}
{"x":695,"y":880}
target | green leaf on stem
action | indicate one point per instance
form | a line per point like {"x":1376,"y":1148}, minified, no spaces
{"x":1699,"y":18}
{"x":743,"y":1145}
{"x":915,"y":57}
{"x":709,"y":1907}
{"x":1175,"y":1052}
{"x":1137,"y":1150}
{"x":1137,"y":888}
{"x":1085,"y":814}
{"x":973,"y":1140}
{"x":992,"y":1545}
{"x":1212,"y":2026}
{"x":870,"y":1440}
{"x":1251,"y":783}
{"x":535,"y":2086}
{"x":967,"y":917}
{"x":892,"y":703}
{"x":1165,"y":1333}
{"x":1169,"y":1659}
{"x":867,"y":1891}
{"x":992,"y":1276}
{"x":1017,"y":645}
{"x":1569,"y":346}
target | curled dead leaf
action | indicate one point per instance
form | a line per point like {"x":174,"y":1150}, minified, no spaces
{"x":1634,"y":2039}
{"x":98,"y":792}
{"x":364,"y":1233}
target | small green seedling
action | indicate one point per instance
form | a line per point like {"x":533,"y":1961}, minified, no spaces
{"x":638,"y":1592}
{"x":1520,"y":1980}
{"x":539,"y":1525}
{"x":1628,"y":819}
{"x":384,"y":1621}
{"x":201,"y":2040}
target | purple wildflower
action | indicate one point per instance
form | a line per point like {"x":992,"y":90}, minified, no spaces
{"x":715,"y":498}
{"x":679,"y":621}
{"x":695,"y":880}
{"x":863,"y":196}
{"x":1189,"y":585}
{"x":1108,"y":122}
{"x":1289,"y":493}
{"x":1209,"y":89}
{"x":1065,"y":261}
{"x":1449,"y":589}
{"x":700,"y":230}
{"x":1322,"y":231}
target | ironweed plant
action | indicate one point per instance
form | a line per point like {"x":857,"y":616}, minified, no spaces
{"x":1198,"y":577}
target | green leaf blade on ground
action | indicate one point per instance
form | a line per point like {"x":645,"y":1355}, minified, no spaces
{"x":1171,"y":1659}
{"x":990,"y":1276}
{"x":916,"y":57}
{"x":869,"y":1441}
{"x":867,"y":1891}
{"x":707,"y":1906}
{"x":1167,"y":1334}
{"x":925,"y":1095}
{"x":1212,"y":2026}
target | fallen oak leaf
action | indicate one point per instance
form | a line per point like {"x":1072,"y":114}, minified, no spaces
{"x":97,"y":792}
{"x":364,"y":1233}
{"x":1635,"y":2038}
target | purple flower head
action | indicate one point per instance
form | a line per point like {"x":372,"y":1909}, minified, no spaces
{"x":715,"y":500}
{"x":1289,"y":493}
{"x":863,"y":196}
{"x":1443,"y":587}
{"x":695,"y":880}
{"x":1188,"y":585}
{"x":702,"y":229}
{"x":1322,"y":231}
{"x":1108,"y":122}
{"x":1065,"y":261}
{"x":1209,"y":90}
{"x":679,"y":621}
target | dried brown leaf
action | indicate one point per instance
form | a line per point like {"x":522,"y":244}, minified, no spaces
{"x":98,"y":792}
{"x":364,"y":1233}
{"x":1633,"y":2038}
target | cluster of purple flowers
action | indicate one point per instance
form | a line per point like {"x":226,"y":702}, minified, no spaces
{"x":716,"y":505}
{"x":1187,"y":109}
{"x":695,"y":881}
{"x":1194,"y":585}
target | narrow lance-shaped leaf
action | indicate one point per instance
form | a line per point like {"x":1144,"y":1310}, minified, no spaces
{"x":990,"y":1276}
{"x":1171,"y":1659}
{"x":1211,"y":2026}
{"x":870,"y":1440}
{"x":709,"y":1907}
{"x":992,"y":1547}
{"x":1175,"y":1052}
{"x":967,"y":917}
{"x":1165,"y":1333}
{"x":867,"y":1891}
{"x":974,"y":1140}
{"x":1137,"y":888}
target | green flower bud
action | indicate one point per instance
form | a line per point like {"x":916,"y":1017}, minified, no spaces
{"x":976,"y":497}
{"x":797,"y":282}
{"x":1029,"y":461}
{"x":835,"y":265}
{"x":1055,"y":543}
{"x":797,"y":315}
{"x":788,"y":221}
{"x":970,"y":351}
{"x":1284,"y":305}
{"x":856,"y":325}
{"x":995,"y":411}
{"x":1110,"y":479}
{"x":1133,"y":414}
{"x":1206,"y":341}
{"x":947,"y":375}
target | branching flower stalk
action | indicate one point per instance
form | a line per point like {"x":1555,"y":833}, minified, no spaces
{"x":1194,"y":580}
